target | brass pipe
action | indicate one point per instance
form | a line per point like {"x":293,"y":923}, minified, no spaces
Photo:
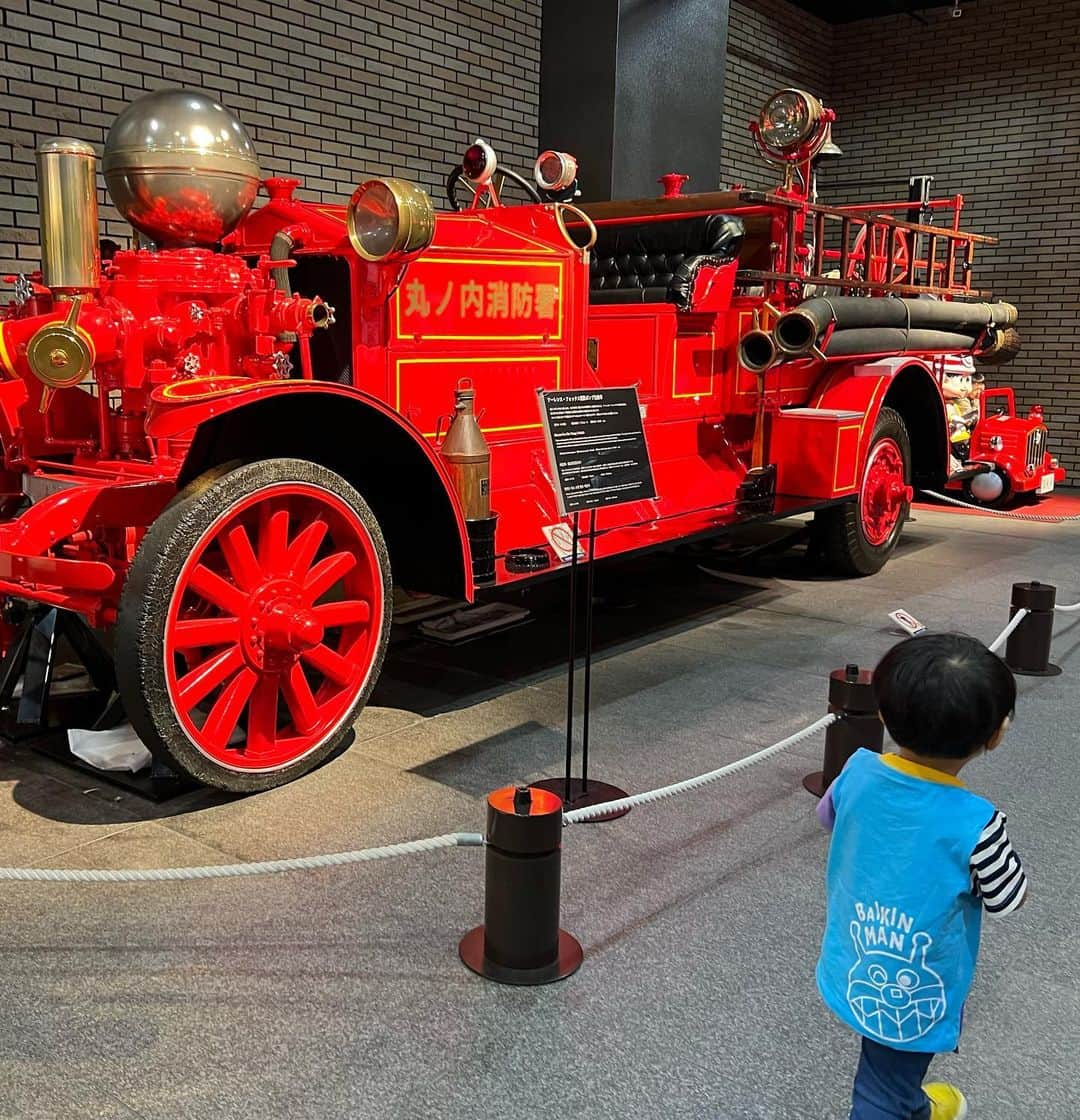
{"x":757,"y":351}
{"x":67,"y":203}
{"x":795,"y":333}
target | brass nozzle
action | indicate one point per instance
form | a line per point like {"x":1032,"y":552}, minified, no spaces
{"x":757,"y":351}
{"x":795,"y":333}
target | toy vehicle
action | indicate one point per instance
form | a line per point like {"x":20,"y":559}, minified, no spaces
{"x":1006,"y":457}
{"x":1013,"y":448}
{"x":222,"y":445}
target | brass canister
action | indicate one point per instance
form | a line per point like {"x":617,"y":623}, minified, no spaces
{"x":468,"y":456}
{"x":67,"y":202}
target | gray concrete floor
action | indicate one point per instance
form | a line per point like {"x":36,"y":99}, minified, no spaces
{"x":339,"y":993}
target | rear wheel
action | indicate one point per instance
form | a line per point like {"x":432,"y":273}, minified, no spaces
{"x":859,"y":537}
{"x":254,"y":623}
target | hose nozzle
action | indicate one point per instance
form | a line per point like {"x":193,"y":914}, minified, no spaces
{"x":795,"y":333}
{"x":757,"y":351}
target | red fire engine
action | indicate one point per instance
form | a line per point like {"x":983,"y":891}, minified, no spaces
{"x":221,"y":443}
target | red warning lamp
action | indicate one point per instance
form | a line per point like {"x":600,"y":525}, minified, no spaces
{"x":478,"y":164}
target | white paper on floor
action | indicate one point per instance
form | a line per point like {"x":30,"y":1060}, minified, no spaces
{"x":117,"y":749}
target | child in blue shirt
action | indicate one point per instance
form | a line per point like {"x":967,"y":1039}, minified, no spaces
{"x":914,"y":861}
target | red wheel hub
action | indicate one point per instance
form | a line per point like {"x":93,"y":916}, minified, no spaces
{"x":885,"y":492}
{"x":278,"y":626}
{"x":274,"y":626}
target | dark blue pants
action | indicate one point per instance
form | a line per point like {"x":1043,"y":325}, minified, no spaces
{"x":888,"y":1084}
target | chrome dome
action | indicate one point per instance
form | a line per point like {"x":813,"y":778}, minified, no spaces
{"x":180,"y":167}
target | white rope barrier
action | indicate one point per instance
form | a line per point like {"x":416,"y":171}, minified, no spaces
{"x":1014,"y":622}
{"x":1041,"y":518}
{"x":592,"y":812}
{"x":234,"y":870}
{"x":448,"y":840}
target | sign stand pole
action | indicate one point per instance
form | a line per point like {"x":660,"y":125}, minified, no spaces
{"x":588,"y":656}
{"x":599,"y":458}
{"x":567,"y":794}
{"x":578,"y":792}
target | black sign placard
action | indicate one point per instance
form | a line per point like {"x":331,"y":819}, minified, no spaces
{"x":597,"y":447}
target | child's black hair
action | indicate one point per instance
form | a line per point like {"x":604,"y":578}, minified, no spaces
{"x":943,"y":695}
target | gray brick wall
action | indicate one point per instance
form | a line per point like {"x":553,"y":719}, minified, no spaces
{"x":332,"y":93}
{"x":399,"y":86}
{"x":771,"y":44}
{"x":986,"y":104}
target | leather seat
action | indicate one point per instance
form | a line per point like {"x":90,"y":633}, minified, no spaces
{"x":657,"y":261}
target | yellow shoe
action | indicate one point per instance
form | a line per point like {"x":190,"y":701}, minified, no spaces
{"x":946,"y":1101}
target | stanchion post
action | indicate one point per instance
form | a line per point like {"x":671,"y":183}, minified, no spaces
{"x":1027,"y":650}
{"x":851,"y":696}
{"x":520,"y":941}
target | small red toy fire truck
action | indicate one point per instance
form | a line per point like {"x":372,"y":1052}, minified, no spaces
{"x":221,"y":444}
{"x":1003,"y":456}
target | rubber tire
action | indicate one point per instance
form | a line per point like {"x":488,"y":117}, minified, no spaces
{"x":140,"y":628}
{"x":844,"y":546}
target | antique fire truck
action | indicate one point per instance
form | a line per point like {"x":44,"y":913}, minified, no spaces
{"x":221,"y":443}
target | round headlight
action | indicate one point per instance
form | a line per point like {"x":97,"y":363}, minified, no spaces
{"x":788,"y":120}
{"x":554,"y":171}
{"x":479,"y":163}
{"x":389,"y":218}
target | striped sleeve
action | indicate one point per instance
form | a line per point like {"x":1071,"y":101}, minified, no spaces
{"x":997,"y":875}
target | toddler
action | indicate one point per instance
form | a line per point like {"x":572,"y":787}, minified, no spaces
{"x":914,"y":861}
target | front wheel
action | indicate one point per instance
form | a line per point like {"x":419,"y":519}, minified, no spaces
{"x":858,"y":537}
{"x":253,"y":624}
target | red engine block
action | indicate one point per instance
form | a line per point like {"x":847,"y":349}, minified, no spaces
{"x":158,"y":318}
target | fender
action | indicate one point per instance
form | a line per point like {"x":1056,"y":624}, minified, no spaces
{"x":401,"y":475}
{"x":904,"y":384}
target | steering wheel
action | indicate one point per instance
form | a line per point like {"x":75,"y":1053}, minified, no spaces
{"x":460,"y":191}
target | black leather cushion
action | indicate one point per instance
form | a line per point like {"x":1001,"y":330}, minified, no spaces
{"x":657,"y":261}
{"x":629,"y":295}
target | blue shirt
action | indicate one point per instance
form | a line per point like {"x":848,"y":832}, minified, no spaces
{"x":903,"y":922}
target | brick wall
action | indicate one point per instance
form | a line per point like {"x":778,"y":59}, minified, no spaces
{"x":987,"y":104}
{"x":332,"y":93}
{"x":771,"y":44}
{"x":363,"y":88}
{"x":984,"y":103}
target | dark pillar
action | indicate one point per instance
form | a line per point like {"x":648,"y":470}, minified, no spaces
{"x":634,"y":89}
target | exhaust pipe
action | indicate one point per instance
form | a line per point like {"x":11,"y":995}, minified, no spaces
{"x":67,"y":204}
{"x":757,"y":350}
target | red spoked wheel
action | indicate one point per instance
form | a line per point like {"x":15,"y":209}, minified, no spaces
{"x":253,"y":624}
{"x":880,"y":272}
{"x":885,"y":492}
{"x":858,"y":537}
